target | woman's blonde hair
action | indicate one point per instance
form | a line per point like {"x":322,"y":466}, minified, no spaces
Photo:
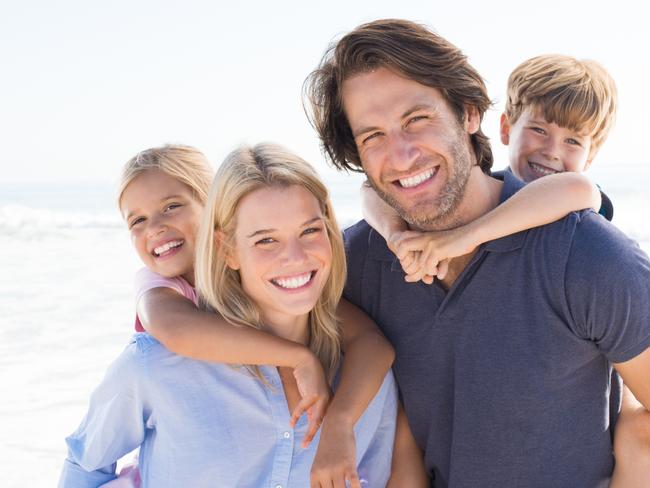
{"x":184,"y":163}
{"x":219,"y":287}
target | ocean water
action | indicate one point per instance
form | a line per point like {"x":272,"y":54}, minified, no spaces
{"x":66,"y":306}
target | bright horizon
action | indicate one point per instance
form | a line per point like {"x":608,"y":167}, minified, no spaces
{"x":87,"y":86}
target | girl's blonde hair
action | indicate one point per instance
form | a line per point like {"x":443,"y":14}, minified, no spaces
{"x":219,"y":287}
{"x":185,"y":163}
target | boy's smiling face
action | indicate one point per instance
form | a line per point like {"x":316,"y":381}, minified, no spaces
{"x":539,"y":148}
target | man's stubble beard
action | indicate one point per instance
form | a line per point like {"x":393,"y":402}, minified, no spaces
{"x":449,"y":199}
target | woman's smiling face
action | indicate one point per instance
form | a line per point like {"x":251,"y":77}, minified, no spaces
{"x":281,"y":250}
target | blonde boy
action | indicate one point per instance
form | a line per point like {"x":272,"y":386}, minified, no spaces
{"x":558,"y":114}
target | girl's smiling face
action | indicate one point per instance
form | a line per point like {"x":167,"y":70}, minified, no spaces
{"x":282,"y":252}
{"x":163,"y":217}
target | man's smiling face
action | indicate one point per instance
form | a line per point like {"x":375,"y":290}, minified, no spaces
{"x":414,"y":150}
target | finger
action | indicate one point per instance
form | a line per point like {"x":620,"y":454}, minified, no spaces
{"x":353,"y":479}
{"x":410,"y":242}
{"x":427,"y":279}
{"x":411,"y":263}
{"x":312,"y":429}
{"x":339,"y":481}
{"x":298,"y":411}
{"x":443,"y":268}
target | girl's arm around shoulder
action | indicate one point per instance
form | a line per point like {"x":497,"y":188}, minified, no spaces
{"x":368,"y":357}
{"x":189,"y":331}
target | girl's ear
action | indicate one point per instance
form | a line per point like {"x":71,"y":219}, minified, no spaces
{"x":231,"y":257}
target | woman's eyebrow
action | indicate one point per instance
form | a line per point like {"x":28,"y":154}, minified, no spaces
{"x":267,"y":231}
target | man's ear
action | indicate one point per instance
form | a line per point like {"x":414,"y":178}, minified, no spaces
{"x":504,"y":130}
{"x":472,"y":119}
{"x":220,"y":243}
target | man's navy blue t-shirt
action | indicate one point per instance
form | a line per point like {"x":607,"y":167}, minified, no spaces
{"x":505,"y":377}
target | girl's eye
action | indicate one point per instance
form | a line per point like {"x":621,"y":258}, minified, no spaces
{"x":172,"y":206}
{"x":135,"y":222}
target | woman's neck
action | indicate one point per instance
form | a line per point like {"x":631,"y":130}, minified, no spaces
{"x":292,"y":328}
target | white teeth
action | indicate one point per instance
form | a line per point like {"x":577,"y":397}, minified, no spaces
{"x":416,"y":180}
{"x":293,"y":282}
{"x":538,"y":168}
{"x":166,"y":247}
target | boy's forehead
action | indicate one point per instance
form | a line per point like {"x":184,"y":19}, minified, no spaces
{"x":536,"y":113}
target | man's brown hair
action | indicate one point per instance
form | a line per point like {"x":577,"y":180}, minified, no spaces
{"x":410,"y":50}
{"x":577,"y":94}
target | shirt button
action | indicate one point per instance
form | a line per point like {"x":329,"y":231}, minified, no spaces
{"x":286,"y":436}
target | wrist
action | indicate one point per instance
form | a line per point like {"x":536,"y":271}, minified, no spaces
{"x":338,"y":418}
{"x":302,"y":356}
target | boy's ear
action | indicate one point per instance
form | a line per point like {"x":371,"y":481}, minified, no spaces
{"x":472,"y":119}
{"x":504,"y":129}
{"x":231,"y":259}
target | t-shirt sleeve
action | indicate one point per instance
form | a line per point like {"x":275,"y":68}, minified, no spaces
{"x":146,"y":280}
{"x":607,"y":287}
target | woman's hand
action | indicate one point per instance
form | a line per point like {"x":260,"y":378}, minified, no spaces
{"x":315,"y":394}
{"x":335,"y":461}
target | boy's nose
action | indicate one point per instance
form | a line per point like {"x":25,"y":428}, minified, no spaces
{"x":551,"y":149}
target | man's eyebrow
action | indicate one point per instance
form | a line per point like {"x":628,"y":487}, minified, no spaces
{"x":415,"y":108}
{"x":267,"y":231}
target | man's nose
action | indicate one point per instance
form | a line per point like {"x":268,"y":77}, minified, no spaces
{"x":402,"y":151}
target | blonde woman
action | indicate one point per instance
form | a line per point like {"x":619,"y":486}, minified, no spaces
{"x":269,"y":257}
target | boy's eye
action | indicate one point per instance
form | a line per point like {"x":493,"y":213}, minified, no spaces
{"x":539,"y":130}
{"x":573,"y":142}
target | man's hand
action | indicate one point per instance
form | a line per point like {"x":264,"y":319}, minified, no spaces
{"x":335,"y":461}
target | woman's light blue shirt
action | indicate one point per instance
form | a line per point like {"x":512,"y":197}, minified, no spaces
{"x":202,"y":424}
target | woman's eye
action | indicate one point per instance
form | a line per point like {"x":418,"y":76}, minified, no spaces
{"x":266,"y":240}
{"x":311,"y":230}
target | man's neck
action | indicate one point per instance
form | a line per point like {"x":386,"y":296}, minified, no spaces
{"x":482,"y":194}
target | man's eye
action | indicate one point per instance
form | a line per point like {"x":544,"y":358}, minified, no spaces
{"x":369,"y":138}
{"x":417,"y":118}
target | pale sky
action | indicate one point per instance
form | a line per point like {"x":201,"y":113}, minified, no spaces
{"x":87,"y":84}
